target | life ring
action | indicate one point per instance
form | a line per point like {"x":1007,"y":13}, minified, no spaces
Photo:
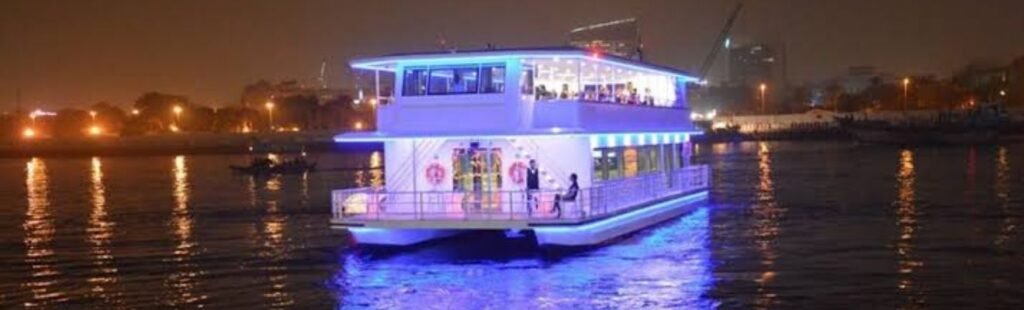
{"x":517,"y":172}
{"x":435,"y":173}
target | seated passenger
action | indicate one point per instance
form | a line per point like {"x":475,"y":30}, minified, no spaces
{"x":570,"y":195}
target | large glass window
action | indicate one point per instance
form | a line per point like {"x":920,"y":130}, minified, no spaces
{"x":453,"y":80}
{"x":631,"y":161}
{"x":492,"y":79}
{"x":415,"y":82}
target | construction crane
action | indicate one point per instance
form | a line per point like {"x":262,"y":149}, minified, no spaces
{"x":720,"y":41}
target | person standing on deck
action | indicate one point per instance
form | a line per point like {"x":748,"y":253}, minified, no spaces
{"x":532,"y":186}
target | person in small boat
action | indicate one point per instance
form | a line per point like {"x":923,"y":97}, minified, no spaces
{"x":570,"y":195}
{"x":260,"y":162}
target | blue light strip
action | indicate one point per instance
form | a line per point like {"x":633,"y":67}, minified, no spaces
{"x":603,"y":139}
{"x":623,"y":218}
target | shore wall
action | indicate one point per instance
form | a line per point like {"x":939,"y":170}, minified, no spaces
{"x":818,"y":120}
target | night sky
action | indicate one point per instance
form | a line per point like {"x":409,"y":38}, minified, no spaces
{"x":76,"y":52}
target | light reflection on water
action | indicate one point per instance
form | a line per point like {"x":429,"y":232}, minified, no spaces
{"x":184,"y":281}
{"x":906,"y":210}
{"x":39,"y":231}
{"x":669,"y":267}
{"x":766,"y":229}
{"x":274,"y":248}
{"x":100,"y":234}
{"x":1001,"y":187}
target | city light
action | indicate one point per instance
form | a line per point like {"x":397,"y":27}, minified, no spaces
{"x":906,"y":89}
{"x":28,"y":133}
{"x":763,"y":88}
{"x":95,"y":130}
{"x":173,"y":128}
{"x":135,"y":112}
{"x":270,"y":113}
{"x":177,"y":110}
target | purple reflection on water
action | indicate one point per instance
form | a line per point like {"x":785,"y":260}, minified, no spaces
{"x":668,"y":266}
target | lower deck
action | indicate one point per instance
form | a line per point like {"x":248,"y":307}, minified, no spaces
{"x":603,"y":211}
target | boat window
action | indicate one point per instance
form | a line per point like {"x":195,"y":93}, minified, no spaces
{"x":453,"y":80}
{"x":632,"y":161}
{"x":415,"y":83}
{"x":492,"y":79}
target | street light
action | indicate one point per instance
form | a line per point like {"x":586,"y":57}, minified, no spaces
{"x":28,"y":133}
{"x":135,"y":112}
{"x":763,"y":88}
{"x":270,"y":113}
{"x":177,"y":117}
{"x":906,"y":87}
{"x":92,"y":114}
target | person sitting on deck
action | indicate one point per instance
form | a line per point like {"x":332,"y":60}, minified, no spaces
{"x":570,"y":195}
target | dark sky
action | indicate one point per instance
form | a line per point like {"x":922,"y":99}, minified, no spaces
{"x":78,"y":52}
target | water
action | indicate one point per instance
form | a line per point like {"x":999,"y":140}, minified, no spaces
{"x":790,"y":225}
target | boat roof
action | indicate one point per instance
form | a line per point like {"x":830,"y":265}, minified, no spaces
{"x":390,"y":62}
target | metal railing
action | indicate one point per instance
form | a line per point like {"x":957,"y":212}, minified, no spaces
{"x":607,"y":197}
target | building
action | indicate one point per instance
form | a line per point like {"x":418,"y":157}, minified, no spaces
{"x":751,"y":64}
{"x":987,"y":83}
{"x":609,"y":137}
{"x":619,"y":37}
{"x":1015,"y":83}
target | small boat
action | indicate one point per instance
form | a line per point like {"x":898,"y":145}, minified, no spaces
{"x":266,"y":166}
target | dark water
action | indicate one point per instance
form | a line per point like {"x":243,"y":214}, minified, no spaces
{"x":809,"y":225}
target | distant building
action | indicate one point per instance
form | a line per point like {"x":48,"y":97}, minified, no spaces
{"x":1015,"y":83}
{"x":618,"y":37}
{"x":751,"y":64}
{"x":986,"y":82}
{"x":858,"y":78}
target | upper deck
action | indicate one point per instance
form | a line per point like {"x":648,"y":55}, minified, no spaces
{"x":527,"y":91}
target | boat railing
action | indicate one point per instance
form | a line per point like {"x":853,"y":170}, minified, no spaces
{"x":607,"y":197}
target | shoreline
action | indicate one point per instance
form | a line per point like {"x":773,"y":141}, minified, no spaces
{"x":181,"y":144}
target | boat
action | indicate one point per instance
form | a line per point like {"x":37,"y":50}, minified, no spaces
{"x":566,"y":146}
{"x":982,"y":125}
{"x":271,"y":166}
